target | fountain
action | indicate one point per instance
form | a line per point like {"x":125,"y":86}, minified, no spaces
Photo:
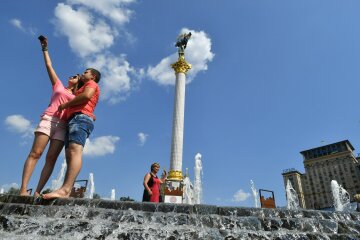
{"x":188,"y":191}
{"x":255,"y":194}
{"x":2,"y":191}
{"x":291,"y":197}
{"x":112,"y":198}
{"x":91,"y":189}
{"x":75,"y":218}
{"x":197,"y":179}
{"x":341,"y":197}
{"x":57,"y":183}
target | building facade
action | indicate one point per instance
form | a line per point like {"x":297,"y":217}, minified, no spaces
{"x":322,"y":165}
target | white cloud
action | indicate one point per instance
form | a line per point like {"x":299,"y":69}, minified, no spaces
{"x":162,"y":73}
{"x":100,"y":146}
{"x":19,"y":124}
{"x":118,"y":77}
{"x":98,"y":24}
{"x":18,"y":24}
{"x":113,"y":9}
{"x":142,"y":138}
{"x":197,"y":53}
{"x":86,"y":34}
{"x":240,"y":196}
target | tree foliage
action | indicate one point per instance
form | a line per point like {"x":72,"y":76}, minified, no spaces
{"x":126,"y":199}
{"x":13,"y":191}
{"x":96,"y":196}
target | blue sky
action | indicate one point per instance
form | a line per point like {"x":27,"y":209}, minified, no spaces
{"x":269,"y":79}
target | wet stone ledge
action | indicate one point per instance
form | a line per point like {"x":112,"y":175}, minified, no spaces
{"x":184,"y":208}
{"x":104,"y":219}
{"x":118,"y":205}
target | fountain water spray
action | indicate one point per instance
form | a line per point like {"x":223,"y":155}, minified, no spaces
{"x":57,"y":183}
{"x":291,"y":197}
{"x":2,"y":191}
{"x":188,"y":190}
{"x":112,"y":195}
{"x":91,"y":189}
{"x":197,"y":179}
{"x":340,"y":196}
{"x":255,"y":194}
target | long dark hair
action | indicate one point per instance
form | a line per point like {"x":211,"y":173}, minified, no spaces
{"x":78,"y":85}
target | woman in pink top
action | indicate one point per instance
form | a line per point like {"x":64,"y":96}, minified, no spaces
{"x":52,"y":126}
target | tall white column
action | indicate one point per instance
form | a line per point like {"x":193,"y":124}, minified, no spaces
{"x":178,"y":123}
{"x":180,"y":67}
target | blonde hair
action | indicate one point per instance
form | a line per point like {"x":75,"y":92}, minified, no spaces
{"x":154,"y":165}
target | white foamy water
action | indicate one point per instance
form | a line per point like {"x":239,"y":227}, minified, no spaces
{"x":57,"y":183}
{"x":188,"y":191}
{"x":341,"y":197}
{"x":291,"y":197}
{"x":112,"y":194}
{"x":84,"y":222}
{"x":198,"y":191}
{"x":91,"y":187}
{"x":2,"y":191}
{"x":255,"y":194}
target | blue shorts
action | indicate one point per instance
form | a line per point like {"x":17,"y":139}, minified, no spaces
{"x":78,"y":129}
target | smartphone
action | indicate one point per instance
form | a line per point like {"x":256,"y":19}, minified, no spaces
{"x":41,"y":38}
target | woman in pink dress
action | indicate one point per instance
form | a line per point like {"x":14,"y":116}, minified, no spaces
{"x":152,"y":184}
{"x":51,"y":128}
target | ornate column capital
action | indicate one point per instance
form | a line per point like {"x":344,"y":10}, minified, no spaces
{"x":175,"y":175}
{"x":181,"y":66}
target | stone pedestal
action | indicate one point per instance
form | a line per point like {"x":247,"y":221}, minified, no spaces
{"x":173,"y":192}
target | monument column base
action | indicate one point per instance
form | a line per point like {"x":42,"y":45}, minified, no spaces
{"x":173,"y":192}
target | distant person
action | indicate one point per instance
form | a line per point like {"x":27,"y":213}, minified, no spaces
{"x":80,"y":114}
{"x":52,"y":126}
{"x":152,"y":184}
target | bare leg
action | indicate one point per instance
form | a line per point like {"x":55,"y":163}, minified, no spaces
{"x":39,"y":144}
{"x":51,"y":157}
{"x":74,"y":161}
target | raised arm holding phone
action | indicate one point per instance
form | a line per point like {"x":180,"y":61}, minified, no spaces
{"x":51,"y":128}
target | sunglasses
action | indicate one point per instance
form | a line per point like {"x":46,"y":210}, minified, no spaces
{"x":75,"y":76}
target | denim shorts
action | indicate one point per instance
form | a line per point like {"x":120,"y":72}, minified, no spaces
{"x":79,"y":129}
